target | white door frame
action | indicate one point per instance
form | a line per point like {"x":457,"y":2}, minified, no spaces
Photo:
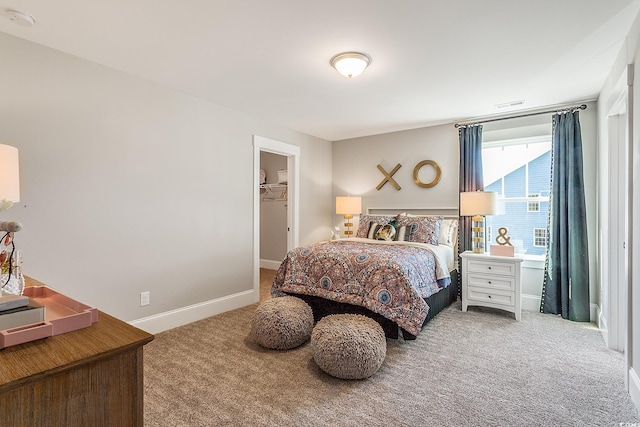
{"x":617,"y":287}
{"x":292,"y":152}
{"x":617,"y":279}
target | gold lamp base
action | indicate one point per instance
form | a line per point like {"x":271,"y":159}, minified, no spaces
{"x":477,"y":234}
{"x":348,"y":224}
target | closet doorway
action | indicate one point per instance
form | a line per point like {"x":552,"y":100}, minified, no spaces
{"x":269,"y":149}
{"x":274,"y":197}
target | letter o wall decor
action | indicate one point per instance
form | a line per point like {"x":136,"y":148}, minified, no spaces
{"x":419,"y":166}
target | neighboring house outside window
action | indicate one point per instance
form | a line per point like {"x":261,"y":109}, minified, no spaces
{"x":519,"y":173}
{"x":533,"y":205}
{"x":540,"y":237}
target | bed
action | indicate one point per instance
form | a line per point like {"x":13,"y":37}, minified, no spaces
{"x":399,"y":270}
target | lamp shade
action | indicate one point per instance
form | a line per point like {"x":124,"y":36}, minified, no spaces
{"x":478,"y":203}
{"x":9,"y":174}
{"x":347,"y":205}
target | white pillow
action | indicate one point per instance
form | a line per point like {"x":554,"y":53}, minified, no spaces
{"x":448,"y":232}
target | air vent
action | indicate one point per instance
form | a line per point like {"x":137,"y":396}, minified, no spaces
{"x":510,"y":104}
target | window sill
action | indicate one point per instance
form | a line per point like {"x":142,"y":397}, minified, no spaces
{"x":533,"y":261}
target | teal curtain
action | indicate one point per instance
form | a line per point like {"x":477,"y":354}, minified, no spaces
{"x":566,"y":276}
{"x":470,"y":178}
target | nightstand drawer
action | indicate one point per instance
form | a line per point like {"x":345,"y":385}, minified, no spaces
{"x":491,"y":296}
{"x":492,"y":282}
{"x":506,"y":268}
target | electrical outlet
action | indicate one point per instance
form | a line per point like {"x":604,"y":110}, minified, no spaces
{"x":145,"y":298}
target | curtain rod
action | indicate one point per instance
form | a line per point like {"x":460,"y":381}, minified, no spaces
{"x":562,"y":110}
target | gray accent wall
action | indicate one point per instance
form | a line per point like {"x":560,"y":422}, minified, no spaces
{"x":355,"y":171}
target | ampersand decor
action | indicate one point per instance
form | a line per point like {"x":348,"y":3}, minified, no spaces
{"x":502,"y":239}
{"x":419,"y":166}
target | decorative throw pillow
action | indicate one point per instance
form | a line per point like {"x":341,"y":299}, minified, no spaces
{"x":421,"y":229}
{"x":448,"y":232}
{"x":386,"y":232}
{"x":364,"y":225}
{"x":373,"y":229}
{"x":400,"y":232}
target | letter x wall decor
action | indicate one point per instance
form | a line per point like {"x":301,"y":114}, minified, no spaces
{"x":388,"y":177}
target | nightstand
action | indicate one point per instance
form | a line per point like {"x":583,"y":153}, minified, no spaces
{"x":491,"y":281}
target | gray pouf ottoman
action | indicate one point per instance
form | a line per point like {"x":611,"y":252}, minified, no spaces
{"x":348,"y":346}
{"x":282,"y":323}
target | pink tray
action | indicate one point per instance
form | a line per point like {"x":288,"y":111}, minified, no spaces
{"x":62,"y":314}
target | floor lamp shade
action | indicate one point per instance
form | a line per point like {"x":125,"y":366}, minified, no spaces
{"x":477,"y":204}
{"x":9,"y":174}
{"x":348,"y":206}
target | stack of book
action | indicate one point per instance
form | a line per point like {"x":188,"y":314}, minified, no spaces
{"x":19,"y":310}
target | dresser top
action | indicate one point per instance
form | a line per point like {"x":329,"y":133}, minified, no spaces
{"x":487,"y":256}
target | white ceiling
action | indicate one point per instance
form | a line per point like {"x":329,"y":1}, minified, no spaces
{"x":432,"y":61}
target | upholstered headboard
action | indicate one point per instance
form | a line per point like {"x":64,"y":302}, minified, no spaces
{"x":447,"y":212}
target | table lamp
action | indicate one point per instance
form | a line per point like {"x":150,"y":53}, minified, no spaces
{"x":11,"y":280}
{"x":477,"y":204}
{"x":9,"y":176}
{"x":348,"y":206}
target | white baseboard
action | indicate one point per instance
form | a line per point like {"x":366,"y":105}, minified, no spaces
{"x":602,"y":325}
{"x":271,"y":265}
{"x":530,"y":302}
{"x":181,"y":316}
{"x":634,"y":388}
{"x":593,"y":312}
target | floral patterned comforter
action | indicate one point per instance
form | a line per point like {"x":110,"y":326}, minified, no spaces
{"x":388,"y":278}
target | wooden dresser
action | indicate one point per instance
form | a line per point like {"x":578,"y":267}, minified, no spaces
{"x":89,"y":377}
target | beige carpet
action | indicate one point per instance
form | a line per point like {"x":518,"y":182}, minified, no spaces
{"x":477,"y":368}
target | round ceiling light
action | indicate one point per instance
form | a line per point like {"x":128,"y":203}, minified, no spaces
{"x":20,"y":18}
{"x":350,"y":64}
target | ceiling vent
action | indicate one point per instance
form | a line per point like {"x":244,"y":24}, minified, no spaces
{"x":510,"y":104}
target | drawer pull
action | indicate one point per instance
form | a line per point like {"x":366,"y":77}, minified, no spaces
{"x":489,"y":296}
{"x":489,"y":282}
{"x":489,"y":267}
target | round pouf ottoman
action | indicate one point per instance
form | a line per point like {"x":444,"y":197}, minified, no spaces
{"x":282,"y":323}
{"x":348,"y":346}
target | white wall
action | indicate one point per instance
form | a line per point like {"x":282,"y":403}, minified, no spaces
{"x":629,"y":54}
{"x":129,"y":186}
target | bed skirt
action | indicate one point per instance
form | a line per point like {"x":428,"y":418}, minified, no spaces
{"x":437,"y":302}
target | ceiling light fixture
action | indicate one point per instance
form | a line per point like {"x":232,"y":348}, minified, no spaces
{"x":20,"y":18}
{"x":350,"y":64}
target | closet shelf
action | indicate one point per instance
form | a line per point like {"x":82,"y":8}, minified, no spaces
{"x":271,"y":195}
{"x":272,"y":185}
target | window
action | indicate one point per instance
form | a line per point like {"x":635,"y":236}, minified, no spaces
{"x":540,"y":237}
{"x":519,"y":170}
{"x":533,"y":206}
